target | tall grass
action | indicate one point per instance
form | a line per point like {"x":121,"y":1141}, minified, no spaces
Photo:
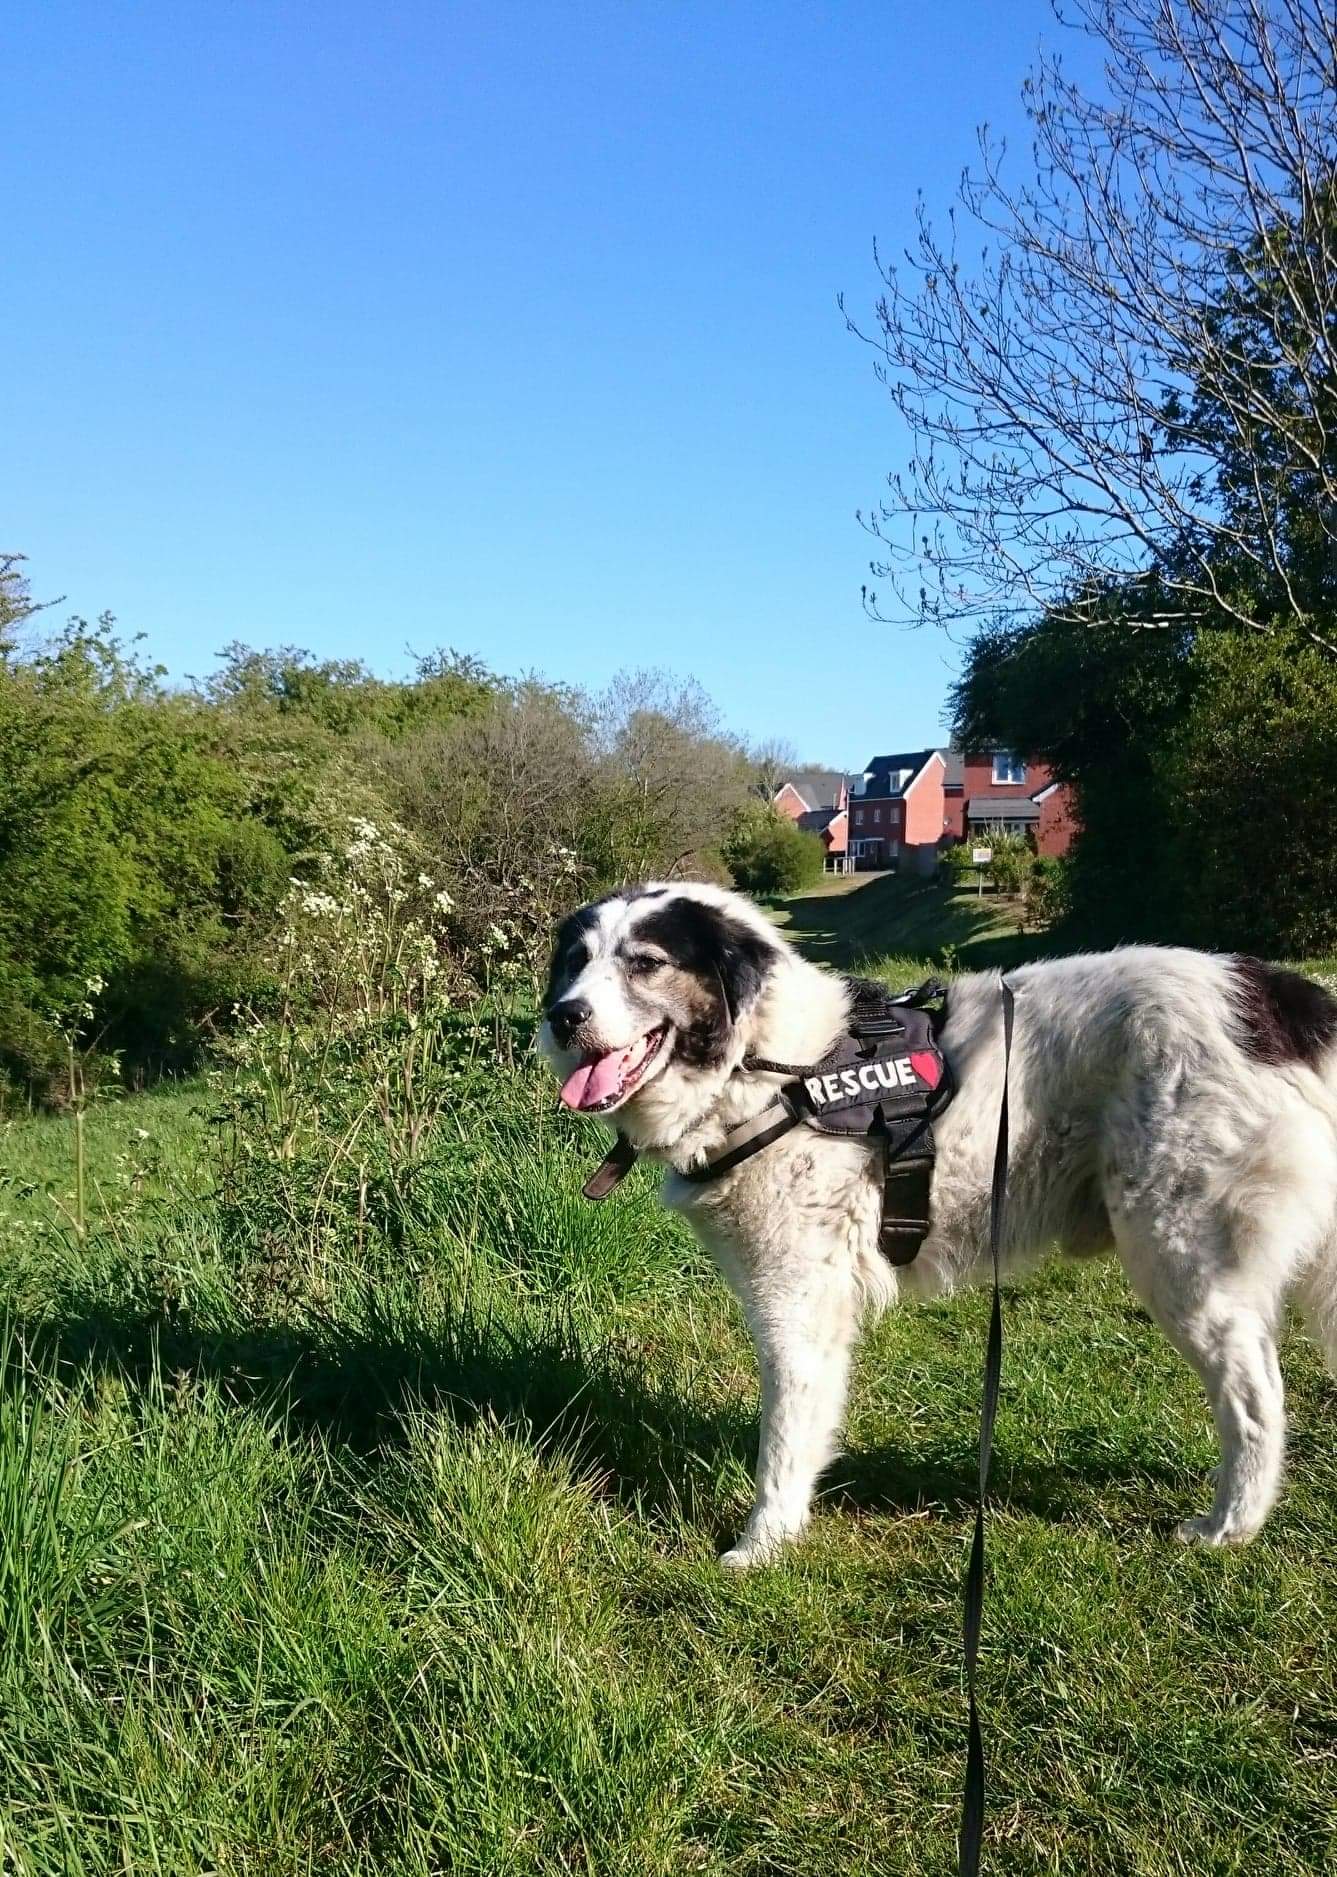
{"x":389,"y":1547}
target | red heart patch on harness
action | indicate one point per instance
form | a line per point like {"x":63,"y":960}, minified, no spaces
{"x":926,"y":1066}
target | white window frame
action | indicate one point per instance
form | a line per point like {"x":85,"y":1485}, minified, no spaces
{"x":1004,"y":759}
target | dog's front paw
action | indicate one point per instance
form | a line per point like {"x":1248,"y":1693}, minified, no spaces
{"x":762,"y":1542}
{"x":1210,"y":1531}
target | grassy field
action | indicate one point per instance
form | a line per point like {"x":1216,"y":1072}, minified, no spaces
{"x":395,"y":1553}
{"x":855,"y":920}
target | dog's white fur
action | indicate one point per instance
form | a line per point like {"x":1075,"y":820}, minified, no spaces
{"x":1139,"y":1122}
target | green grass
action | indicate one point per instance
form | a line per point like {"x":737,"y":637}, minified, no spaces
{"x":877,"y":920}
{"x":406,"y":1565}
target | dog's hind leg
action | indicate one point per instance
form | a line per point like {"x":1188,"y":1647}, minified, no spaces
{"x":1235,"y":1353}
{"x":803,"y":1324}
{"x":1225,"y":1326}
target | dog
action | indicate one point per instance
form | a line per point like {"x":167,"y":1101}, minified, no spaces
{"x":1175,"y":1107}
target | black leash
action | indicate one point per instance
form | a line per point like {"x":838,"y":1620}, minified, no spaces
{"x":972,"y":1797}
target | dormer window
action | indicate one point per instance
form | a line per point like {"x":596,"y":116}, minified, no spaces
{"x":1007,"y":767}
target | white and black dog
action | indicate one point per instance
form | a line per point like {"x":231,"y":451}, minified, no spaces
{"x":1177,"y":1107}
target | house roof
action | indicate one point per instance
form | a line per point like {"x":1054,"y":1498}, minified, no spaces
{"x":818,"y":819}
{"x":954,"y":766}
{"x":1001,"y":808}
{"x":819,"y":788}
{"x":876,"y":781}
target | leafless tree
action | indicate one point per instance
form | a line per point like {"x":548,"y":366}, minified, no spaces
{"x":547,"y":795}
{"x":1136,"y":380}
{"x":675,"y":774}
{"x":772,"y":762}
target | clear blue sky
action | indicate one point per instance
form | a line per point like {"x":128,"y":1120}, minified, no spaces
{"x":508,"y":327}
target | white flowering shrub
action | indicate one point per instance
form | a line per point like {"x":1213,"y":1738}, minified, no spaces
{"x":326,"y":1100}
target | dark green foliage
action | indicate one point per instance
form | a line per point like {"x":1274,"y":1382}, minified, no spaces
{"x":1013,"y":858}
{"x":1048,"y":891}
{"x":126,"y":854}
{"x":956,"y":864}
{"x":1252,"y":773}
{"x":768,"y":854}
{"x":1200,"y":736}
{"x":147,"y":835}
{"x":1205,"y":769}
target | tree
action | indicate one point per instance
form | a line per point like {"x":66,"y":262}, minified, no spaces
{"x":672,"y":775}
{"x":769,"y":855}
{"x":1205,"y":770}
{"x":17,"y":605}
{"x":127,"y":855}
{"x":772,"y":761}
{"x":1134,"y":383}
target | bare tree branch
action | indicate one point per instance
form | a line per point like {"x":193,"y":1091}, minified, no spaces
{"x":1138,"y":377}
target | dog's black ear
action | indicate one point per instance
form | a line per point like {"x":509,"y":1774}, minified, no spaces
{"x":742,"y":961}
{"x":730,"y":960}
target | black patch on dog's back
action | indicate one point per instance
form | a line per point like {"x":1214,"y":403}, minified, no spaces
{"x":1287,"y":1017}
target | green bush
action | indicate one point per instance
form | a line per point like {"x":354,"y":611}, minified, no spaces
{"x":127,"y":854}
{"x":1048,"y":892}
{"x":769,"y":855}
{"x":1013,"y":858}
{"x":956,"y":863}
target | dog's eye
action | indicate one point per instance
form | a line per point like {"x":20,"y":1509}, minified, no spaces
{"x":644,"y":967}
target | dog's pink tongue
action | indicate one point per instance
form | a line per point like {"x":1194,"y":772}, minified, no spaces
{"x":593,"y":1082}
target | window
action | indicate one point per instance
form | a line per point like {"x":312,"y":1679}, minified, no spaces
{"x":997,"y":824}
{"x":858,"y":817}
{"x":877,"y":815}
{"x":1007,"y":767}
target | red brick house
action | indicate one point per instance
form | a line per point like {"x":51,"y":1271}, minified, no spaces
{"x":818,"y":800}
{"x":896,"y":811}
{"x":995,"y":792}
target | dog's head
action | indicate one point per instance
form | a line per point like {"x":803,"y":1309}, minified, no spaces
{"x":652,"y":987}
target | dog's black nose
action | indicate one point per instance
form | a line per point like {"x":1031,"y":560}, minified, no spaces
{"x":565,"y":1019}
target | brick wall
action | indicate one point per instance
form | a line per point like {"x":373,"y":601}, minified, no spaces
{"x":1057,"y":824}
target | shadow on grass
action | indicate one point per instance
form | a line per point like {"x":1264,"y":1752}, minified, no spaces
{"x":652,"y":1447}
{"x":884,"y":1479}
{"x":360,"y":1386}
{"x":896,"y":914}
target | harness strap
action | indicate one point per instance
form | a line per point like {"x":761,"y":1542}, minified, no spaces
{"x":748,"y":1138}
{"x":906,"y":1188}
{"x":972,"y":1797}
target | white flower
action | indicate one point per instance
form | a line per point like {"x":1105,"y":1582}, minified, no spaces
{"x":141,"y":1134}
{"x":94,"y":984}
{"x":425,"y":879}
{"x":443,"y":902}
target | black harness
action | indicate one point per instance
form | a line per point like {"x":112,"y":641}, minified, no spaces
{"x":885,"y":1080}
